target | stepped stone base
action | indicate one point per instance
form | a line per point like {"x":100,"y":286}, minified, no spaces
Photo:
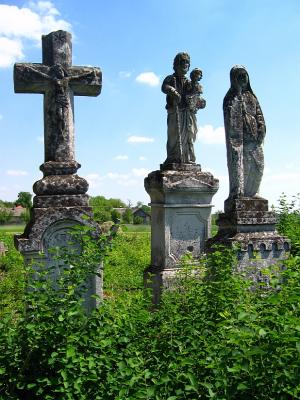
{"x":52,"y":219}
{"x":248,"y":224}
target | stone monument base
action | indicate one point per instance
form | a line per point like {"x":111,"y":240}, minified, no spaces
{"x":50,"y":227}
{"x":248,"y":224}
{"x":181,"y":197}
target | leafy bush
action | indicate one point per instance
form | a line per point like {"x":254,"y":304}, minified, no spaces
{"x":137,"y":220}
{"x":11,"y":277}
{"x":212,"y":337}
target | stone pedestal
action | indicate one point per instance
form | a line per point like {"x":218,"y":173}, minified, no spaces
{"x":50,"y":227}
{"x":248,"y":223}
{"x":181,"y":197}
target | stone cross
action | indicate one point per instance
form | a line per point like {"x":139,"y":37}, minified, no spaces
{"x":58,"y":81}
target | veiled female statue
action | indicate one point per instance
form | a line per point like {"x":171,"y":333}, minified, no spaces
{"x":245,"y":131}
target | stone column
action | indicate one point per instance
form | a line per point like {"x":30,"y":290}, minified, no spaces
{"x":180,"y":219}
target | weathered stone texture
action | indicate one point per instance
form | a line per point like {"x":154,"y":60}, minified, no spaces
{"x":180,"y":219}
{"x":61,"y":201}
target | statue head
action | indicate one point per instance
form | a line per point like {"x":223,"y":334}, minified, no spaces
{"x":58,"y":71}
{"x":196,"y":75}
{"x":181,"y":63}
{"x":239,"y":79}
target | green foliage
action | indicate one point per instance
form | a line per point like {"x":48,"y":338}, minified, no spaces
{"x":101,"y":215}
{"x":24,"y":199}
{"x":137,"y":220}
{"x":101,"y":201}
{"x":5,"y":215}
{"x":288,"y":220}
{"x":7,"y":204}
{"x":127,"y":216}
{"x":11,"y":277}
{"x":125,"y":264}
{"x":103,"y":209}
{"x":115,"y":216}
{"x":212,"y":338}
{"x":26,"y":216}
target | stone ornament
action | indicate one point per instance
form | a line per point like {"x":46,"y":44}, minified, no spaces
{"x":245,"y":131}
{"x":183,"y":101}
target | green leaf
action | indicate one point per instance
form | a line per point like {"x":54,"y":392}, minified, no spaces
{"x":242,"y":386}
{"x":70,"y":352}
{"x":262,"y":332}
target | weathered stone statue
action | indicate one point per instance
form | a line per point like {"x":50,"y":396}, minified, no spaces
{"x":183,"y":102}
{"x":61,"y":201}
{"x":180,"y":191}
{"x":245,"y":131}
{"x":246,"y":220}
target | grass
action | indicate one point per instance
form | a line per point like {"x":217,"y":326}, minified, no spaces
{"x":12,"y":228}
{"x":135,"y":228}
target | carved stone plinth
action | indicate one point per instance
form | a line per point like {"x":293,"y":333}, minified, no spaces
{"x":248,"y":224}
{"x":180,"y":218}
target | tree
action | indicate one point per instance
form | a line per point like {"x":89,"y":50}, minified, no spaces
{"x":5,"y":215}
{"x":115,"y":216}
{"x":24,"y":199}
{"x":137,"y":220}
{"x":127,"y":216}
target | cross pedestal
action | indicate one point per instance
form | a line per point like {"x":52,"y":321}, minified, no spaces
{"x":61,"y":200}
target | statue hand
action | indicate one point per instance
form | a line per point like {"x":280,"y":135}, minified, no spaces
{"x":176,"y":97}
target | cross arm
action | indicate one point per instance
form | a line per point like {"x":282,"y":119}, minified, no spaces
{"x":31,"y":78}
{"x":85,"y":81}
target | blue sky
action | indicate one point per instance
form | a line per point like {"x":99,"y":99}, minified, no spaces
{"x":120,"y":136}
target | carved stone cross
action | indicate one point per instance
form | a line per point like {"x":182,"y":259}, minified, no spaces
{"x":58,"y":81}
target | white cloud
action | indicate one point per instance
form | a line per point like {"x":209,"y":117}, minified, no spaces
{"x":121,"y":157}
{"x":125,"y":74}
{"x":140,"y":139}
{"x":142,"y":158}
{"x":116,"y":176}
{"x":26,"y":23}
{"x":285,"y":177}
{"x":10,"y":51}
{"x":148,"y":78}
{"x":209,"y":135}
{"x":140,"y":172}
{"x":94,"y":180}
{"x":16,"y":172}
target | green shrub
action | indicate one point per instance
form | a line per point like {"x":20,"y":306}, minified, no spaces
{"x":5,"y":215}
{"x":212,"y":338}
